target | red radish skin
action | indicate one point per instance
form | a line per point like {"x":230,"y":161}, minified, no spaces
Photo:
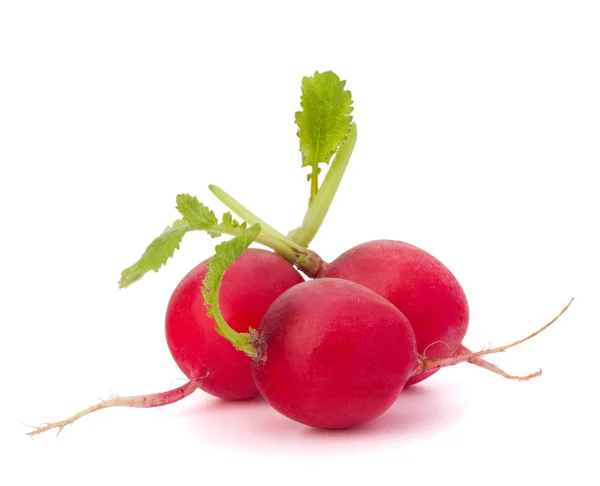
{"x":418,"y":284}
{"x":333,"y":354}
{"x":250,"y":285}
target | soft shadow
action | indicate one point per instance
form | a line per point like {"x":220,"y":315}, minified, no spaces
{"x":420,"y":411}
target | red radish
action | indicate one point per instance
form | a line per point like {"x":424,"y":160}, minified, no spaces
{"x":333,"y":352}
{"x":329,"y":354}
{"x":249,"y":287}
{"x":418,"y":284}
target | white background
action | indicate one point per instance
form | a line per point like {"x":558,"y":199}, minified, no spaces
{"x":479,"y":128}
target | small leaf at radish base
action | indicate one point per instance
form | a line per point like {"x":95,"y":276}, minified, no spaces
{"x":324,"y":122}
{"x":157,"y":253}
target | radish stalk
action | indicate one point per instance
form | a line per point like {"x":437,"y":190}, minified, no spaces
{"x":250,"y":218}
{"x":321,"y":202}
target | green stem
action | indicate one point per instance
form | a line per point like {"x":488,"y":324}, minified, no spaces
{"x":251,"y":218}
{"x":284,"y":250}
{"x":307,"y":261}
{"x":321,"y":201}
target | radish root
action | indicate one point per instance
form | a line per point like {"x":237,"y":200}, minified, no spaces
{"x":482,"y":363}
{"x":140,"y":401}
{"x":465,"y":355}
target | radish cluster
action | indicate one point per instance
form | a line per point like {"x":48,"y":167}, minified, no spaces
{"x":333,"y":351}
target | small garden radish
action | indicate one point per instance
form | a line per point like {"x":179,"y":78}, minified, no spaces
{"x":418,"y":284}
{"x":332,"y":352}
{"x":328,"y":352}
{"x":251,"y":285}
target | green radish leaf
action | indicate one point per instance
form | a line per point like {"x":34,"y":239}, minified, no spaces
{"x":157,"y":253}
{"x":195,"y":213}
{"x":324,"y":122}
{"x":225,"y":254}
{"x":196,"y":217}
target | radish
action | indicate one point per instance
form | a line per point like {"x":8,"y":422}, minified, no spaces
{"x":418,"y":284}
{"x":250,"y":286}
{"x":333,"y":354}
{"x":328,"y":352}
{"x":422,"y":287}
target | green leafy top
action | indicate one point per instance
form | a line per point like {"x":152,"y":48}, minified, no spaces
{"x":325,"y":129}
{"x":324,"y":122}
{"x":196,"y":217}
{"x":225,"y":254}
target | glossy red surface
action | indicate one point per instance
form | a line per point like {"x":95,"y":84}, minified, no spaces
{"x":332,"y":355}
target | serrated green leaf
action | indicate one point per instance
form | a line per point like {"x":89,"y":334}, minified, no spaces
{"x":157,"y":253}
{"x":324,"y":122}
{"x":230,"y":222}
{"x":195,"y":213}
{"x":196,"y":216}
{"x":225,"y":254}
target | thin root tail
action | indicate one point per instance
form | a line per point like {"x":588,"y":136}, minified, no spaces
{"x":465,"y":355}
{"x":482,"y":363}
{"x":141,"y":401}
